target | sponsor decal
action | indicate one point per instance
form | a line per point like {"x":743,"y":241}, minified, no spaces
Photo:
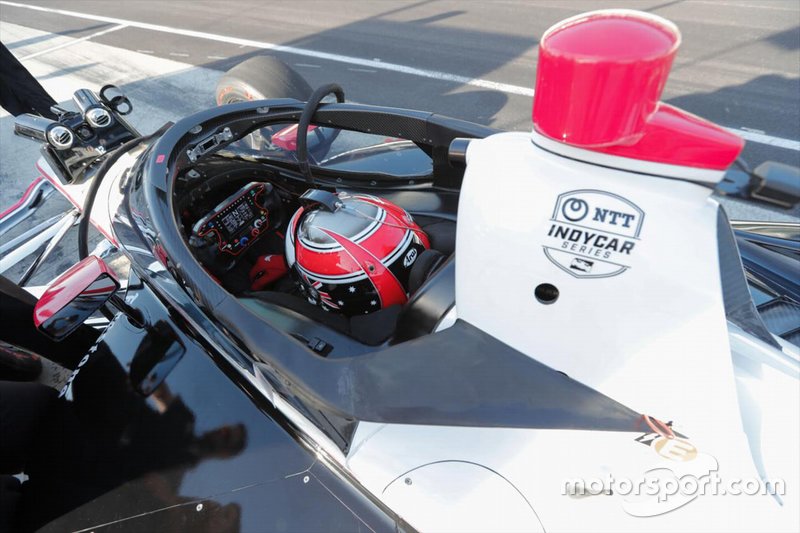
{"x":666,"y":442}
{"x":410,"y":257}
{"x":582,"y":265}
{"x":667,"y":486}
{"x":675,"y":449}
{"x":66,"y":391}
{"x":593,"y":234}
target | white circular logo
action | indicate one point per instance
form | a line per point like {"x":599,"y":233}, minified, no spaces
{"x":575,"y":209}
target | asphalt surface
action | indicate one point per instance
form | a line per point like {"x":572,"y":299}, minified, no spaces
{"x":739,"y":63}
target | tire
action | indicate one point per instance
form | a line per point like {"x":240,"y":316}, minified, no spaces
{"x":260,"y":78}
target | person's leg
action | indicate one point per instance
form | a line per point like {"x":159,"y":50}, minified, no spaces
{"x":31,"y":441}
{"x":19,"y":91}
{"x":10,"y":497}
{"x":23,"y":406}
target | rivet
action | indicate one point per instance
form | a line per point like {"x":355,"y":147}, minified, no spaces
{"x":199,"y":507}
{"x":306,"y":479}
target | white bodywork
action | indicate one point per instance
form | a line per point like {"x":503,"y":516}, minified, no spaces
{"x":645,"y":327}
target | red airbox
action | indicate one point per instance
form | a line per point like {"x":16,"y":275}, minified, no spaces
{"x":598,"y":83}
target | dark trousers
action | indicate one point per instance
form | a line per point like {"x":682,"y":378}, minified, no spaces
{"x":19,"y":91}
{"x":22,"y":408}
{"x":23,"y":411}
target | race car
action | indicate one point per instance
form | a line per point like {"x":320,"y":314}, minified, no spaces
{"x":349,"y":317}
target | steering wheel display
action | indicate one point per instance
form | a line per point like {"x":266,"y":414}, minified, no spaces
{"x":237,"y":222}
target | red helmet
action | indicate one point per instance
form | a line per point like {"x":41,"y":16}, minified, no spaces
{"x":356,"y":258}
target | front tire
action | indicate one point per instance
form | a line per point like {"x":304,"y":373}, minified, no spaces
{"x":259,"y":78}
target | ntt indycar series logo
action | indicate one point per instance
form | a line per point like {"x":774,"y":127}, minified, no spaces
{"x":593,"y":234}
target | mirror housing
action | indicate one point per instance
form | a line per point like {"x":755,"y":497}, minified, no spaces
{"x":777,"y":184}
{"x":74,"y":296}
{"x":771,"y":182}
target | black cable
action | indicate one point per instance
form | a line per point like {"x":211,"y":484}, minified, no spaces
{"x":305,"y":121}
{"x":88,"y":202}
{"x":83,"y":225}
{"x":113,"y":157}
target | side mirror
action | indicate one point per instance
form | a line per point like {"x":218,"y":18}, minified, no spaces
{"x":771,"y":182}
{"x":777,"y":183}
{"x":74,"y":296}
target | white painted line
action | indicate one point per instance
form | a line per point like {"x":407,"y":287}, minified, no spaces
{"x":306,"y":65}
{"x":216,"y":57}
{"x":369,"y":63}
{"x":361,"y":62}
{"x":70,"y":43}
{"x":717,"y":3}
{"x":753,"y":136}
{"x":145,"y":51}
{"x":362,"y":70}
{"x":178,"y":54}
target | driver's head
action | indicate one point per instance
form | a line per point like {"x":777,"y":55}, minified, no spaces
{"x":355,"y":258}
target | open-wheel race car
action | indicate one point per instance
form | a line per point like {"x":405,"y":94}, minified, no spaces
{"x":346,"y":317}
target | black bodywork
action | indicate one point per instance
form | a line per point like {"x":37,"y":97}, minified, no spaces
{"x":170,"y":425}
{"x":155,"y":432}
{"x":770,"y":255}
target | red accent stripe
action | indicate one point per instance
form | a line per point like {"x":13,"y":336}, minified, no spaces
{"x":74,"y":202}
{"x":333,"y":263}
{"x":22,"y":199}
{"x":390,"y":290}
{"x":386,"y":238}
